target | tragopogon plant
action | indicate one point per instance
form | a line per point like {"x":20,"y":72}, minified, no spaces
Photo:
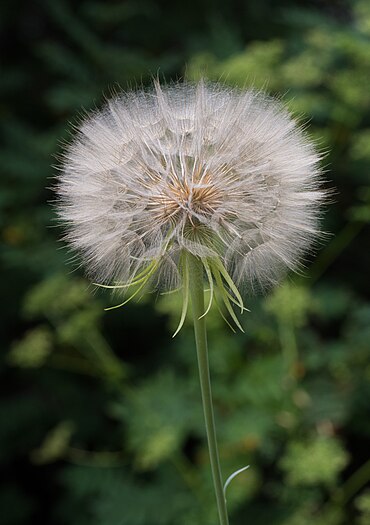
{"x":186,"y":187}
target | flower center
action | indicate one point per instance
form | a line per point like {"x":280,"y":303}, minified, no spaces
{"x":195,"y":197}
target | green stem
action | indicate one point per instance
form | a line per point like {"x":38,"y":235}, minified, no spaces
{"x":334,"y":249}
{"x":196,"y":286}
{"x":353,"y":484}
{"x":289,"y":349}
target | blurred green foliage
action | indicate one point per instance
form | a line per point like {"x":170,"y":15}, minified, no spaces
{"x":100,"y":413}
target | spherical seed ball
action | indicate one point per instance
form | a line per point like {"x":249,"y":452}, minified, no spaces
{"x":198,"y":167}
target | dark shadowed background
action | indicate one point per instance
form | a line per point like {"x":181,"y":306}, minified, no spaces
{"x":100,"y":418}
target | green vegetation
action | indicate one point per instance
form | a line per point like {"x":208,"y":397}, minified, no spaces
{"x":100,"y":412}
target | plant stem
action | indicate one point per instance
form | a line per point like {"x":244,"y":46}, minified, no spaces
{"x":197,"y":298}
{"x":353,"y":484}
{"x":340,"y":242}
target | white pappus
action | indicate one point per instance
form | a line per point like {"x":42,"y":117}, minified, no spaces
{"x":225,"y":174}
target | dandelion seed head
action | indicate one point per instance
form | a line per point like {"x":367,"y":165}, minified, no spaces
{"x":198,"y":167}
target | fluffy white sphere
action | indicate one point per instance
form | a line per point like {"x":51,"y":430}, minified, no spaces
{"x":204,"y":168}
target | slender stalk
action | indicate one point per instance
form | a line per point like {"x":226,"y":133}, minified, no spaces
{"x":197,"y":298}
{"x":328,"y":256}
{"x":353,"y":484}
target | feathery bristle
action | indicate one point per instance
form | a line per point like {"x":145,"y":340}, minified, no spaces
{"x":204,"y":168}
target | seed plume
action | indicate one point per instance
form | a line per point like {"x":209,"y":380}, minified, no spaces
{"x":224,"y":174}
